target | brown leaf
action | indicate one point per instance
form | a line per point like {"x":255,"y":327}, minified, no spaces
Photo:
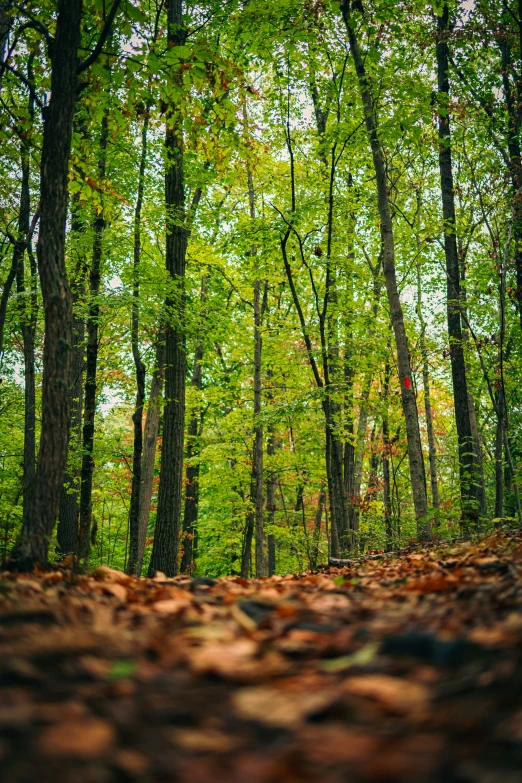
{"x":395,"y":694}
{"x":111,"y":575}
{"x":275,"y":707}
{"x":81,"y":739}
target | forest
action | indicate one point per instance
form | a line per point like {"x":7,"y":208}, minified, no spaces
{"x":261,"y":270}
{"x":260,"y":410}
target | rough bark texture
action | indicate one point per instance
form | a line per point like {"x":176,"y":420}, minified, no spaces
{"x":39,"y":524}
{"x":91,"y":367}
{"x":139,"y":367}
{"x":409,"y":404}
{"x":166,"y":538}
{"x":468,"y":485}
{"x":150,"y":439}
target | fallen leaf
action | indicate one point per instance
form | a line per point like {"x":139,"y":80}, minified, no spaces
{"x":82,"y":739}
{"x":274,"y":707}
{"x":395,"y":694}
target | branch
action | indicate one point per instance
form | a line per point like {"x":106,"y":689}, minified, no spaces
{"x":103,"y":37}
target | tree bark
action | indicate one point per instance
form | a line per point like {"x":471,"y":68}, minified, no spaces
{"x":271,"y":483}
{"x":409,"y":404}
{"x":166,"y":538}
{"x":139,"y":367}
{"x":150,"y":439}
{"x":69,"y":511}
{"x":190,"y":515}
{"x":91,"y":367}
{"x":432,"y":451}
{"x":317,"y":528}
{"x":388,"y":523}
{"x":32,"y":547}
{"x":468,"y":483}
{"x":27,"y":319}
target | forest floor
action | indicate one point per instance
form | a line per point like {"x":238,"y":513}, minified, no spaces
{"x":404,"y":668}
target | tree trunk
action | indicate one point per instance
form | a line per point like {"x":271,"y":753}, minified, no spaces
{"x":270,"y":500}
{"x":317,"y":528}
{"x":388,"y":524}
{"x":32,"y":547}
{"x":140,"y":371}
{"x":499,"y":457}
{"x":468,"y":488}
{"x":69,"y":512}
{"x":166,"y":538}
{"x":190,"y":516}
{"x":91,"y":367}
{"x":150,"y":439}
{"x":409,"y":404}
{"x":432,"y":451}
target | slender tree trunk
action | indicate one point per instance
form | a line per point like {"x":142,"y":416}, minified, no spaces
{"x":360,"y":442}
{"x":38,"y":526}
{"x":139,"y":367}
{"x":271,"y":483}
{"x":499,"y":457}
{"x":69,"y":512}
{"x":150,"y":439}
{"x":166,"y":538}
{"x":27,"y":318}
{"x":317,"y":528}
{"x":4,"y":298}
{"x":257,"y":463}
{"x":468,"y":488}
{"x":388,"y":524}
{"x":190,"y":516}
{"x":432,"y":451}
{"x":409,"y":404}
{"x":256,"y":481}
{"x":91,"y":368}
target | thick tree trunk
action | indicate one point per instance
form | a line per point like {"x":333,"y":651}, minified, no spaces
{"x":150,"y":439}
{"x":38,"y":526}
{"x":166,"y":538}
{"x":409,"y":404}
{"x":91,"y":367}
{"x":139,"y":368}
{"x":468,"y":483}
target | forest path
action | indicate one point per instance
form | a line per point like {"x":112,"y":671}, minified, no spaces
{"x":406,"y":669}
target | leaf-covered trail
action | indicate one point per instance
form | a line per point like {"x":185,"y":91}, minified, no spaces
{"x":407,"y":669}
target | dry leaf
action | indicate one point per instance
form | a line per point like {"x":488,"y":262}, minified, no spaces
{"x":395,"y":694}
{"x":82,"y":739}
{"x":279,"y":708}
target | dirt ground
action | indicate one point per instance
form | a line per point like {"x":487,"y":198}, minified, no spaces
{"x":398,"y":668}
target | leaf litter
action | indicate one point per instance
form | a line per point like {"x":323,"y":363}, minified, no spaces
{"x":404,"y":668}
